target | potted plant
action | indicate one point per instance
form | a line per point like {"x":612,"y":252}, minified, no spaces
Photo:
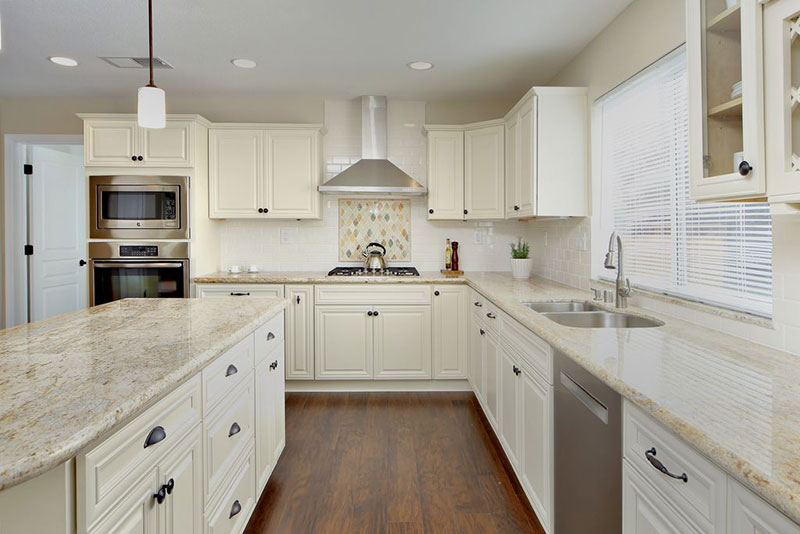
{"x":521,"y":264}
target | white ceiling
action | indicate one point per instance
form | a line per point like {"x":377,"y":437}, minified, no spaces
{"x":482,"y":49}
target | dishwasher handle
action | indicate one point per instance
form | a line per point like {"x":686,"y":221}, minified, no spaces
{"x":597,"y":408}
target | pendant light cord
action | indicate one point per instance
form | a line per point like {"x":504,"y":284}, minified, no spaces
{"x":150,"y":20}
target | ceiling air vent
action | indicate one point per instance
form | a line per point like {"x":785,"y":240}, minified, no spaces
{"x":136,"y":62}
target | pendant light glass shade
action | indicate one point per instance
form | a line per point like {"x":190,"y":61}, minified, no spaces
{"x":152,"y":110}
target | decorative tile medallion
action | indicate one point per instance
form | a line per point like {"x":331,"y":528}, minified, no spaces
{"x":384,"y":221}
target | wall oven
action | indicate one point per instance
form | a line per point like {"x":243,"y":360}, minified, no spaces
{"x":138,"y":207}
{"x":119,"y":270}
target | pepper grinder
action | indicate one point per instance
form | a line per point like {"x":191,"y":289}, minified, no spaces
{"x":454,"y":261}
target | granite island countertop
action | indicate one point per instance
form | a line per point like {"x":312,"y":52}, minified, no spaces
{"x":73,"y":378}
{"x":733,"y":400}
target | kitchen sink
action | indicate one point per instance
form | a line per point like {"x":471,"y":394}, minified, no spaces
{"x":559,"y":307}
{"x":601,"y":319}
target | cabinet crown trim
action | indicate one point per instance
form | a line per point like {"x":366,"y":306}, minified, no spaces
{"x":132,"y":116}
{"x":459,"y":127}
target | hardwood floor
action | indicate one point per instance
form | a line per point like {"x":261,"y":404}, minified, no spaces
{"x":390,"y":463}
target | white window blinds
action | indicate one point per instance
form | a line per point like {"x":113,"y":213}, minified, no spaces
{"x":719,"y":253}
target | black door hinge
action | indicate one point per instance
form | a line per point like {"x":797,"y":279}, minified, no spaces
{"x":27,"y":169}
{"x":29,"y":250}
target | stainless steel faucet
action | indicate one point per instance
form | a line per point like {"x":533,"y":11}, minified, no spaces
{"x":623,"y":289}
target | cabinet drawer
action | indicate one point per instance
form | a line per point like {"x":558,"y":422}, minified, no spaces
{"x":644,"y":510}
{"x":268,"y":337}
{"x":107,"y":471}
{"x":227,"y":372}
{"x":230,"y":515}
{"x":240,"y":290}
{"x":228,"y":431}
{"x":534,"y":350}
{"x":701,"y":497}
{"x":372,"y":294}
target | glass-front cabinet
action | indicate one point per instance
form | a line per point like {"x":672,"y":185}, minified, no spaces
{"x":726,"y":128}
{"x":782,"y":98}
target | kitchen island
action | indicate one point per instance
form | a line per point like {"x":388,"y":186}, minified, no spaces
{"x":73,"y":383}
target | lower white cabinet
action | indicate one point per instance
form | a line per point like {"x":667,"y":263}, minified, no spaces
{"x":240,"y":290}
{"x":343,"y":342}
{"x":401,"y":342}
{"x":477,"y":352}
{"x":491,"y":363}
{"x":300,"y":332}
{"x":535,"y":406}
{"x":450,"y":318}
{"x":509,"y":405}
{"x":643,"y":511}
{"x":748,"y":514}
{"x":270,"y":420}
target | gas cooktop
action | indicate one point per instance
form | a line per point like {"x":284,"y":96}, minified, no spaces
{"x":360,"y":271}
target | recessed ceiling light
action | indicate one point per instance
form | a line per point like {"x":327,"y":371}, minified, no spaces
{"x":420,"y":65}
{"x":244,"y":63}
{"x":64,"y":61}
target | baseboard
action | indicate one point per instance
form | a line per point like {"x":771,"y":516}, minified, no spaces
{"x":376,"y":385}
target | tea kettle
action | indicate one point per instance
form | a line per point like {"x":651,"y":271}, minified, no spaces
{"x":375,"y":259}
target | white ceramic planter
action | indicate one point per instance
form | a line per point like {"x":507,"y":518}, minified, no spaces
{"x":521,"y":268}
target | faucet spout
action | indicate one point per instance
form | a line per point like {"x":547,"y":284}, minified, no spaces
{"x":623,"y":285}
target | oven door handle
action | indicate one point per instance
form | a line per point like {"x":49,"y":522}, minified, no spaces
{"x":137,"y":265}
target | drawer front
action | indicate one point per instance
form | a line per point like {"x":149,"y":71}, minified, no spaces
{"x":534,"y":350}
{"x":230,"y":515}
{"x":372,"y":294}
{"x":701,"y":497}
{"x":106,"y":472}
{"x":240,"y":290}
{"x":229,"y":430}
{"x":644,"y":510}
{"x":227,"y":372}
{"x":268,"y":337}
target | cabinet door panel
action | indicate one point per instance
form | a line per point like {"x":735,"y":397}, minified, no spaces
{"x":343,"y":342}
{"x":168,"y":147}
{"x":484,"y":173}
{"x":236,"y":173}
{"x":526,"y":166}
{"x":278,"y":391}
{"x":445,"y":175}
{"x":450,"y":331}
{"x":136,"y":513}
{"x":536,"y":450}
{"x":402,"y":342}
{"x":492,"y":400}
{"x":265,"y":423}
{"x":300,"y":332}
{"x":182,"y":510}
{"x":644,"y":511}
{"x":110,"y":142}
{"x":293,"y":173}
{"x":512,"y":162}
{"x":477,"y":349}
{"x":509,"y":423}
{"x":748,"y":514}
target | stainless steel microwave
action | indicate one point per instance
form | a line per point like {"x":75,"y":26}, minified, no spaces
{"x":139,"y":207}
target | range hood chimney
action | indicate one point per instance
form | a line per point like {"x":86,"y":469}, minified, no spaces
{"x":373,"y":173}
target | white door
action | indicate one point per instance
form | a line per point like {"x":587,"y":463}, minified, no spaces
{"x":450,"y":331}
{"x":300,"y":332}
{"x":509,"y":423}
{"x":512,"y":160}
{"x":235,"y":173}
{"x":182,"y":509}
{"x":484,"y":175}
{"x":292,"y":174}
{"x":111,"y":142}
{"x":446,"y":175}
{"x":748,"y":514}
{"x":644,"y":511}
{"x":136,"y":513}
{"x":402,"y":342}
{"x":265,"y":422}
{"x":477,"y":351}
{"x":492,"y":355}
{"x":343,"y":342}
{"x":278,"y":391}
{"x":170,"y":146}
{"x":58,"y":281}
{"x":526,"y":160}
{"x":536,"y":438}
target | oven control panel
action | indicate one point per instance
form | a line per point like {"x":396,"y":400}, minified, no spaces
{"x":138,"y":251}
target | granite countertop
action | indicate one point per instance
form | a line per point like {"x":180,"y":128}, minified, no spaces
{"x":321,"y":277}
{"x":71,"y":379}
{"x":735,"y":401}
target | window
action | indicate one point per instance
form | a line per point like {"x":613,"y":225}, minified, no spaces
{"x":718,"y":253}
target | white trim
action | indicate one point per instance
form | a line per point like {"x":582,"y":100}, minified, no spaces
{"x":376,"y":385}
{"x":14,"y":269}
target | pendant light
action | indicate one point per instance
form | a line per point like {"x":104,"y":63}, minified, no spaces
{"x":152,"y":109}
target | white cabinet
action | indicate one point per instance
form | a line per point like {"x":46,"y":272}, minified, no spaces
{"x":492,"y":363}
{"x":261,"y":172}
{"x":477,"y":352}
{"x":402,"y":342}
{"x":120,"y":142}
{"x":270,"y":421}
{"x":343,"y":342}
{"x":445,"y":174}
{"x":300,"y":332}
{"x":136,"y":513}
{"x":484,"y":172}
{"x":726,"y":124}
{"x":781,"y":96}
{"x":643,"y":511}
{"x":536,"y":442}
{"x":509,"y":405}
{"x":748,"y":514}
{"x":450,"y":318}
{"x":547,"y":154}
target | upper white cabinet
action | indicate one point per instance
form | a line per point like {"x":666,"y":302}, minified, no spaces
{"x":466,"y":171}
{"x":726,"y":100}
{"x":782,"y":95}
{"x":260,"y":172}
{"x":546,"y":154}
{"x":118,"y":141}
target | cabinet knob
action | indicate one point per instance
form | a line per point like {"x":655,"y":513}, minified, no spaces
{"x":235,"y":429}
{"x":298,"y":299}
{"x":430,"y":211}
{"x":465,"y":212}
{"x":169,"y":486}
{"x":375,"y":313}
{"x":516,"y":208}
{"x":490,"y":315}
{"x":266,"y":210}
{"x":478,"y":304}
{"x":260,"y":210}
{"x":369,"y":313}
{"x":274,"y":365}
{"x":270,"y":336}
{"x":156,"y":435}
{"x":745,"y":168}
{"x":231,"y":370}
{"x":235,"y":509}
{"x":436,"y":293}
{"x":133,"y":158}
{"x":160,"y":495}
{"x":516,"y":370}
{"x":140,"y":158}
{"x":82,"y":263}
{"x":482,"y":331}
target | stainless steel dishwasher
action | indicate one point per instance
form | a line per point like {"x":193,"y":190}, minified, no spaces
{"x":588,"y":452}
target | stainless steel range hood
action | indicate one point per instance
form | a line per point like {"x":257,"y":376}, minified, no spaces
{"x":373,"y":173}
